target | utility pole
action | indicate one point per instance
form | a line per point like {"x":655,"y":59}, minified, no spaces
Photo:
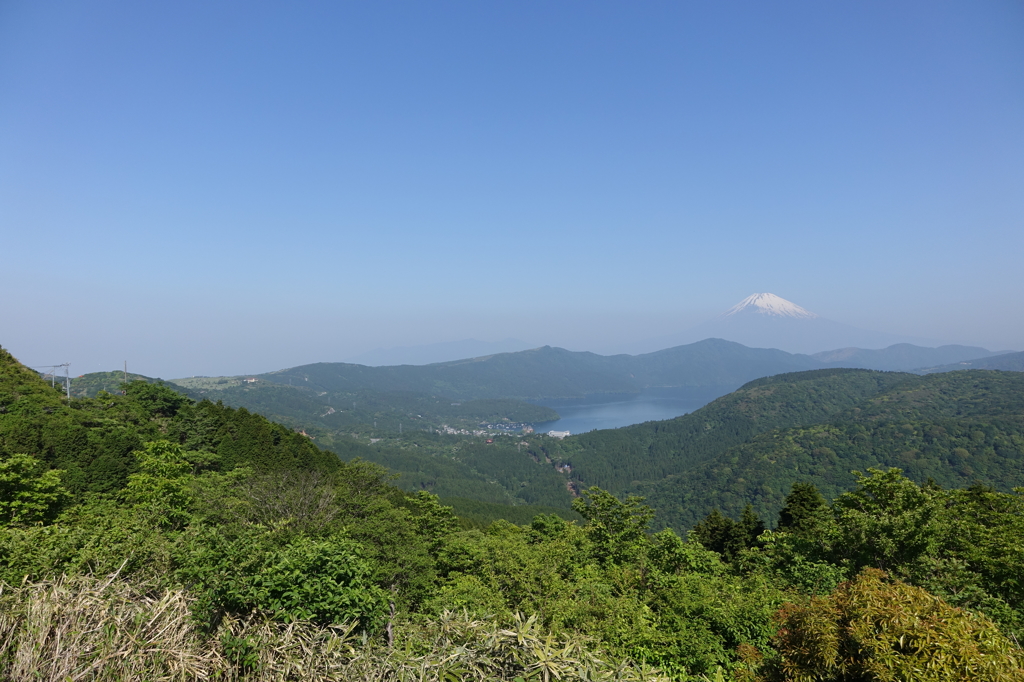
{"x":53,"y":377}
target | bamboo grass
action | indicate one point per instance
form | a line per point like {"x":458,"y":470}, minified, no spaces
{"x":85,"y":629}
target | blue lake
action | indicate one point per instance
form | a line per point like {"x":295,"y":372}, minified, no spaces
{"x":614,"y":411}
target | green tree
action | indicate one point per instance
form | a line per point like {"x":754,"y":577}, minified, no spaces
{"x":29,"y":492}
{"x":889,"y":522}
{"x":616,"y":529}
{"x":721,"y":534}
{"x":161,"y":486}
{"x":158,"y":399}
{"x":803,"y":510}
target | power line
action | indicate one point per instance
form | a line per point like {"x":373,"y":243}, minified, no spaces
{"x":53,"y":376}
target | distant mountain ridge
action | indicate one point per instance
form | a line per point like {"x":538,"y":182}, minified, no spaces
{"x":765,"y":320}
{"x":555,"y":373}
{"x":1008,"y":362}
{"x":711,"y":368}
{"x":901,"y":357}
{"x":438,"y":352}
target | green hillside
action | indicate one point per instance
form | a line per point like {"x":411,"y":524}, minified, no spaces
{"x":93,"y":440}
{"x":618,"y":458}
{"x":309,"y":408}
{"x":88,"y":385}
{"x":955,"y":429}
{"x":747,"y":447}
{"x":509,"y":476}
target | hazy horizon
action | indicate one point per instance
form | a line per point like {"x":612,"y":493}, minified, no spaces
{"x":244,"y":187}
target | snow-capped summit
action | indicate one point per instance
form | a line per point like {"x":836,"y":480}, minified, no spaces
{"x":770,"y":321}
{"x":769,"y":304}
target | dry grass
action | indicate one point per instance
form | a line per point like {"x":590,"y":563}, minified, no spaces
{"x":85,"y":628}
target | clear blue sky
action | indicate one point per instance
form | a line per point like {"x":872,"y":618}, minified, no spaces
{"x":228,"y":187}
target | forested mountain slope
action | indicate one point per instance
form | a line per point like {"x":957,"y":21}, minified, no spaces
{"x":311,"y":409}
{"x":462,"y":470}
{"x":711,"y":367}
{"x":617,"y":458}
{"x":93,"y":440}
{"x":955,"y":429}
{"x":88,"y":385}
{"x":747,"y":447}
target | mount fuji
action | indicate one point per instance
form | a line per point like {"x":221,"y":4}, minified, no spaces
{"x":768,"y":304}
{"x":769,"y":321}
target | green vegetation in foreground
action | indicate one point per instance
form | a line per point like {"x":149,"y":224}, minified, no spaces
{"x":238,"y":549}
{"x":476,"y":514}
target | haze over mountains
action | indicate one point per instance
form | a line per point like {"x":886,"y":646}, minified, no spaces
{"x":744,"y":343}
{"x":1008,"y":362}
{"x":762,"y":320}
{"x":552,"y":373}
{"x":438,"y":352}
{"x":904,"y":357}
{"x":765,"y":320}
{"x":711,"y":367}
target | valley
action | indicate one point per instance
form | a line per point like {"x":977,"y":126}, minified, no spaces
{"x":714,"y":435}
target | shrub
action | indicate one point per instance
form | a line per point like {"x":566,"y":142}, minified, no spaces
{"x":870,"y":629}
{"x":320,"y":580}
{"x":28,"y":491}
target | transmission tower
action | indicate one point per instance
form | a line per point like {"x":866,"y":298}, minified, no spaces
{"x":52,"y":373}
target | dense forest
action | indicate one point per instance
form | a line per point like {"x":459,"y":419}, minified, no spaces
{"x":751,"y":446}
{"x":147,"y":536}
{"x":357,"y":411}
{"x":497,"y":475}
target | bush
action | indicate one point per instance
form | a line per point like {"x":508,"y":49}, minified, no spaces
{"x":873,"y":630}
{"x":29,"y":493}
{"x":324,"y":581}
